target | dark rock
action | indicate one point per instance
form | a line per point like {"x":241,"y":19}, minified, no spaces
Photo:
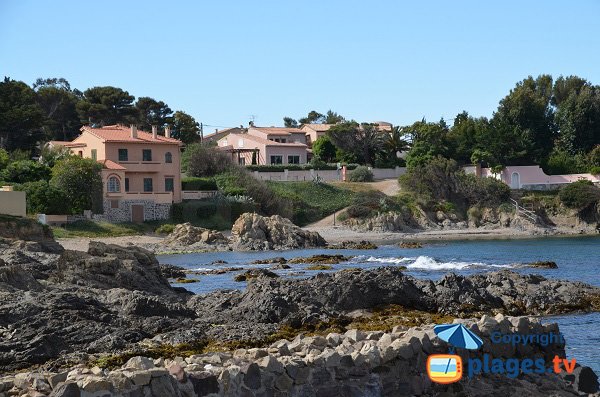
{"x":543,"y":265}
{"x":321,"y":259}
{"x":66,"y":390}
{"x":172,"y":271}
{"x":255,"y":273}
{"x":410,"y":244}
{"x":252,"y":377}
{"x":108,"y":266}
{"x":204,"y":383}
{"x":353,"y":245}
{"x":281,"y":266}
{"x":583,"y":379}
{"x":268,"y":261}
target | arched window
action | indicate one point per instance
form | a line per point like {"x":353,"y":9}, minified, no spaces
{"x":168,"y":157}
{"x":114,"y":186}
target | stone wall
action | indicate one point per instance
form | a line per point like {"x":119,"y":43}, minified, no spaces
{"x":152,"y":211}
{"x":356,"y":363}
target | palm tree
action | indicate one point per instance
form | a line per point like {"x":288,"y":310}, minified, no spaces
{"x":395,"y":142}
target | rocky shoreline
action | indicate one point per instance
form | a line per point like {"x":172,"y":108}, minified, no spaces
{"x":66,"y":312}
{"x":354,"y":363}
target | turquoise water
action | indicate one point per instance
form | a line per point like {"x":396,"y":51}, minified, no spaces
{"x":578,"y":258}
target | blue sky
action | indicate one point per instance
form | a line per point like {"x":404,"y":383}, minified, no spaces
{"x":222,"y":61}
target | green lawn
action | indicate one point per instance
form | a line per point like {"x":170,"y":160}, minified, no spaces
{"x":311,"y":201}
{"x":103,"y":229}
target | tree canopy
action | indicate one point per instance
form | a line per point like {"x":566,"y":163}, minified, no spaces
{"x":107,"y":106}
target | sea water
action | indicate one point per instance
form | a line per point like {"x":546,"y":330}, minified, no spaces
{"x":578,"y":259}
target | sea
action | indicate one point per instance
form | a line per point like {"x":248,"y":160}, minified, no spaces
{"x":578,"y":259}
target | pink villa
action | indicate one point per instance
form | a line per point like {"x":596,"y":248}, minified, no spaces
{"x":267,"y":146}
{"x":141,"y":171}
{"x":529,"y":177}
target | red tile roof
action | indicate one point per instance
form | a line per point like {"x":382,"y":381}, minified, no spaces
{"x":121,"y":133}
{"x":111,"y":165}
{"x":278,"y":130}
{"x":318,"y":127}
{"x":67,"y":144}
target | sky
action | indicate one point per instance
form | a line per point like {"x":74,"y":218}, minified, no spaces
{"x":226,"y":62}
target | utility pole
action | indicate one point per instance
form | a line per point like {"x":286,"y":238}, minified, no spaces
{"x":201,"y":132}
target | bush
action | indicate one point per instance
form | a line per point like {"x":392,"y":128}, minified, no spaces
{"x":22,"y":171}
{"x":80,"y":180}
{"x":238,"y":182}
{"x":443,"y":180}
{"x":483,"y":191}
{"x":4,"y":159}
{"x":205,"y":161}
{"x":562,"y":162}
{"x":167,"y":228}
{"x":359,"y":211}
{"x":43,"y":198}
{"x":579,"y":195}
{"x":595,"y":170}
{"x":193,"y":183}
{"x":361,"y":174}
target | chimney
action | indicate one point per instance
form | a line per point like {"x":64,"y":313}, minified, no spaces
{"x":168,"y":131}
{"x":133,"y":131}
{"x":154,"y":132}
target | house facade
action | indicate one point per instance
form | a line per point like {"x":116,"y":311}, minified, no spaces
{"x":266,"y":146}
{"x":141,"y":171}
{"x":529,"y":177}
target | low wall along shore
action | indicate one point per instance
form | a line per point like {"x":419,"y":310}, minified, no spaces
{"x":324,"y":175}
{"x":356,"y":363}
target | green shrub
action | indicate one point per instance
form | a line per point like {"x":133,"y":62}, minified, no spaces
{"x":442,"y":179}
{"x":167,"y":228}
{"x":201,"y":160}
{"x":194,"y":183}
{"x":561,"y":162}
{"x":474,"y":213}
{"x":43,"y":198}
{"x":595,"y":170}
{"x":506,"y":208}
{"x":579,"y":195}
{"x":238,"y":182}
{"x":22,"y":171}
{"x":359,"y":211}
{"x":80,"y":180}
{"x":361,"y":174}
{"x":4,"y":159}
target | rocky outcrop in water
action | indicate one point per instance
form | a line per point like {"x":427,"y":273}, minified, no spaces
{"x":325,"y":296}
{"x":354,"y":363}
{"x":186,"y":237}
{"x":255,"y":232}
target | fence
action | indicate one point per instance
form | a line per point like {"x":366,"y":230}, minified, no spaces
{"x":324,"y":175}
{"x":197,"y":194}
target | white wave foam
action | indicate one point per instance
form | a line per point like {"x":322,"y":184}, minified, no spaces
{"x":429,"y":263}
{"x":390,"y":260}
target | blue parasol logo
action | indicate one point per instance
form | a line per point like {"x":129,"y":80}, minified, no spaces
{"x":458,"y":336}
